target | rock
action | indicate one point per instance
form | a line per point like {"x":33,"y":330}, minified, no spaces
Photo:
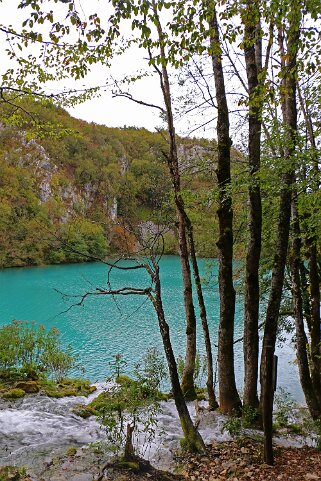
{"x":29,"y":387}
{"x":81,"y":477}
{"x":312,"y":476}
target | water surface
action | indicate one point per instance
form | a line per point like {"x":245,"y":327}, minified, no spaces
{"x":104,"y":326}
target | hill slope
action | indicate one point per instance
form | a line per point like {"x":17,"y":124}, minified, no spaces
{"x":94,"y":190}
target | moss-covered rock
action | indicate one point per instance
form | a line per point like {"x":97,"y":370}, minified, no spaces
{"x":124,"y":380}
{"x":11,"y":473}
{"x":71,"y":451}
{"x":68,"y":387}
{"x":84,"y":411}
{"x":14,"y":394}
{"x":132,"y":465}
{"x":103,"y":400}
{"x":30,"y":387}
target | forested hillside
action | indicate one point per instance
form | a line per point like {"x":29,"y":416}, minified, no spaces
{"x":87,"y":191}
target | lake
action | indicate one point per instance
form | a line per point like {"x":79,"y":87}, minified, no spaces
{"x":104,"y":326}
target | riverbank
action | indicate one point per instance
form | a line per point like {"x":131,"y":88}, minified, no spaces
{"x":45,"y":435}
{"x":236,"y":461}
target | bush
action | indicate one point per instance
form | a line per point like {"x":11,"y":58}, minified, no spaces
{"x":284,"y":408}
{"x":29,"y":351}
{"x":200,"y":371}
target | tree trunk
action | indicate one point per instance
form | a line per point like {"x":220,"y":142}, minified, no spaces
{"x":129,"y":453}
{"x":188,"y":386}
{"x":301,"y":338}
{"x":193,"y":440}
{"x":252,"y":288}
{"x":313,"y":297}
{"x":315,"y":332}
{"x":207,"y":339}
{"x":273,"y":307}
{"x":229,"y":399}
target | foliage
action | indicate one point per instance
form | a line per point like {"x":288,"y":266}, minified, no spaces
{"x":57,"y":194}
{"x":154,"y":367}
{"x":284,"y":408}
{"x":31,"y":351}
{"x":236,"y":423}
{"x":200,"y":371}
{"x":312,"y":430}
{"x":130,"y":407}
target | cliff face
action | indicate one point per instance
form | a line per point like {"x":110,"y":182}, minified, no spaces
{"x":89,"y":193}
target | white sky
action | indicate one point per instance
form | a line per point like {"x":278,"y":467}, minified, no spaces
{"x":114,"y":112}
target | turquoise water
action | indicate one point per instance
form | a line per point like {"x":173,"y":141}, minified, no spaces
{"x":104,"y":326}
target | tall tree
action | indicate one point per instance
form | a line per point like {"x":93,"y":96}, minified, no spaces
{"x":309,"y":389}
{"x":186,"y":240}
{"x":288,"y":95}
{"x":229,"y":399}
{"x":253,"y":62}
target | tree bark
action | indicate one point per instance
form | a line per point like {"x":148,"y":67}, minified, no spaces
{"x":315,"y":332}
{"x":252,"y":52}
{"x":313,"y":297}
{"x":273,"y":307}
{"x":301,"y":338}
{"x":229,"y":399}
{"x":129,"y":453}
{"x":203,"y":315}
{"x":188,"y":386}
{"x":194,"y":441}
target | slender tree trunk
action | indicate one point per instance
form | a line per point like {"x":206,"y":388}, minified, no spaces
{"x":194,"y":441}
{"x":229,"y":399}
{"x":273,"y":307}
{"x":188,"y":386}
{"x":301,"y":338}
{"x":207,"y":339}
{"x":314,"y":277}
{"x":129,"y":452}
{"x":252,"y":51}
{"x":315,"y":332}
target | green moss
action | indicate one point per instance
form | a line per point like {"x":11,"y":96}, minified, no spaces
{"x":14,"y":394}
{"x":12,"y":473}
{"x":296,"y":428}
{"x":134,"y":466}
{"x":84,"y":411}
{"x":104,"y":401}
{"x":201,"y":393}
{"x":189,"y":392}
{"x":163,"y":396}
{"x":124,"y":380}
{"x":68,"y":387}
{"x":72,"y":451}
{"x":188,"y":446}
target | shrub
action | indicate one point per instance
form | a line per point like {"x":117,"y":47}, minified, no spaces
{"x":131,"y":406}
{"x":28,"y":350}
{"x":200,"y":371}
{"x":284,"y":408}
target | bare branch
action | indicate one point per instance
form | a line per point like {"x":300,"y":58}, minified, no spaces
{"x":140,"y":102}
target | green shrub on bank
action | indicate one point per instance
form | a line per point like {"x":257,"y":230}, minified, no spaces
{"x":29,"y":351}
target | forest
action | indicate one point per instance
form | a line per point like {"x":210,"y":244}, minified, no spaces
{"x":247,"y":72}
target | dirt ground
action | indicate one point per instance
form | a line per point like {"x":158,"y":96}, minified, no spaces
{"x":231,"y":461}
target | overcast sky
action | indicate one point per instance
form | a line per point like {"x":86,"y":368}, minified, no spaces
{"x":115,"y":112}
